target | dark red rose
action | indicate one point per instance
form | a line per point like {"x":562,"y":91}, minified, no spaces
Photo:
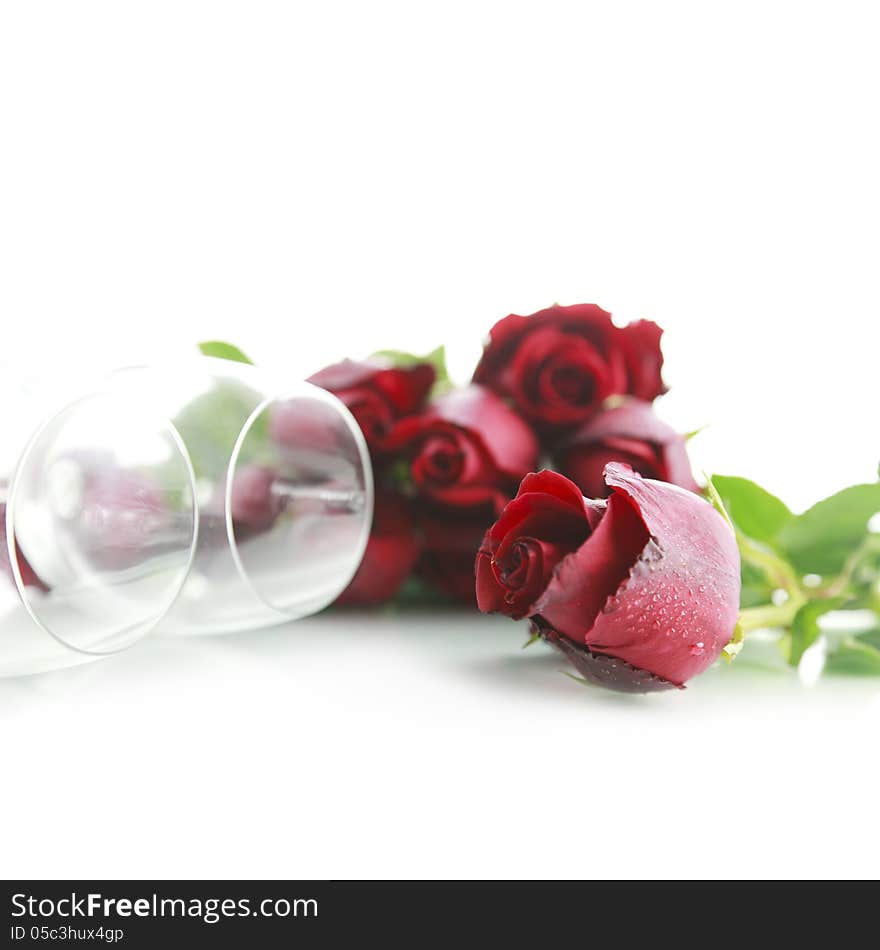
{"x":390,"y":555}
{"x":640,"y":592}
{"x":558,"y":365}
{"x":450,"y":541}
{"x":377,"y":393}
{"x":468,"y":448}
{"x":630,"y":433}
{"x":29,"y":576}
{"x":548,"y":519}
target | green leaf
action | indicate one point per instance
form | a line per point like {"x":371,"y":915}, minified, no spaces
{"x":855,"y":657}
{"x":437,"y":359}
{"x":821,"y":539}
{"x":398,"y":476}
{"x":805,"y":630}
{"x":754,"y":511}
{"x":223,"y":351}
{"x":871,"y":637}
{"x":756,"y":589}
{"x":210,"y":424}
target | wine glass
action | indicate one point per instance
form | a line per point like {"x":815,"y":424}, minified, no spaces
{"x":200,"y":496}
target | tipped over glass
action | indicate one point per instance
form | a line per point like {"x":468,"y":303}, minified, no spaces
{"x":203,"y":496}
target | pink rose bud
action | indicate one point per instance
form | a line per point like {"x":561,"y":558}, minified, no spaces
{"x":630,"y":433}
{"x":639,"y":593}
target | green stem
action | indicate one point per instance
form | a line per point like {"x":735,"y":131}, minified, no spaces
{"x":782,"y":575}
{"x":779,"y":572}
{"x":770,"y":616}
{"x":842,"y":583}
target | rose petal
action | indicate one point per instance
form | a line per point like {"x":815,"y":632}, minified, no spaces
{"x":535,"y":369}
{"x":586,"y":465}
{"x":631,"y":433}
{"x":630,"y":419}
{"x":407,"y":388}
{"x":679,"y":605}
{"x":540,"y":559}
{"x":586,"y":321}
{"x":371,"y":412}
{"x":347,"y":374}
{"x":608,"y":671}
{"x":585,"y":580}
{"x":548,"y":511}
{"x":507,"y":438}
{"x":644,"y":359}
{"x":552,"y":483}
{"x":540,"y":515}
{"x":450,"y":540}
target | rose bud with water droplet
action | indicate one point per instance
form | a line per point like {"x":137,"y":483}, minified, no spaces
{"x":639,"y":592}
{"x":628,"y":432}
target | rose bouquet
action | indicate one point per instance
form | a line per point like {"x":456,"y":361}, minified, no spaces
{"x":549,"y":490}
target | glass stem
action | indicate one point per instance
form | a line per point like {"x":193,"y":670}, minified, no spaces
{"x":352,"y":500}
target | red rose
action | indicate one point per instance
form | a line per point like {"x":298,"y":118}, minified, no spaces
{"x":558,"y":365}
{"x":390,"y":555}
{"x":629,"y":433}
{"x":377,"y":393}
{"x":28,"y":574}
{"x":548,"y":519}
{"x":468,"y":448}
{"x":642,"y":595}
{"x":450,"y":541}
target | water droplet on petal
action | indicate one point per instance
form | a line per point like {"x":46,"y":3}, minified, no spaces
{"x":610,"y":605}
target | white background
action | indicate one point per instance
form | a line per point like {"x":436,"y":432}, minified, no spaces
{"x":319,"y":180}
